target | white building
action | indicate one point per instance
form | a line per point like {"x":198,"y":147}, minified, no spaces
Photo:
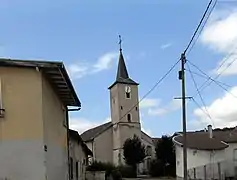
{"x":106,"y":141}
{"x":210,"y":153}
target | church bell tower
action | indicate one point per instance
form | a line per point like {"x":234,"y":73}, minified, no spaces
{"x":124,"y":109}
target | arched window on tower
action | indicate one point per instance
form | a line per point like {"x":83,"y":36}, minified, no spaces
{"x":128,"y":95}
{"x":129,"y":117}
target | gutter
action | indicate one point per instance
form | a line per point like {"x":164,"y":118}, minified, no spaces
{"x":176,"y":142}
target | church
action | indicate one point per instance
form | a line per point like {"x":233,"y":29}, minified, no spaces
{"x":106,"y":141}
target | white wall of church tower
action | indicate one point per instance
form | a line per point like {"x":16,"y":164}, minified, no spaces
{"x":124,"y":127}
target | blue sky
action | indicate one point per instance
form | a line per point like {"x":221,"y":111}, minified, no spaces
{"x":84,"y":34}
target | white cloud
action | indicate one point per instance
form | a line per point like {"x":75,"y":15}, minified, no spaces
{"x":223,"y":112}
{"x":165,"y":46}
{"x":79,"y":70}
{"x":83,"y":124}
{"x":158,"y":111}
{"x":104,"y":62}
{"x":220,"y":35}
{"x":149,"y":102}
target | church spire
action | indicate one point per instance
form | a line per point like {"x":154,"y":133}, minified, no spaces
{"x":122,"y":73}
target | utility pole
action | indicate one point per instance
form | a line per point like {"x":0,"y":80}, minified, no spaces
{"x":182,"y":78}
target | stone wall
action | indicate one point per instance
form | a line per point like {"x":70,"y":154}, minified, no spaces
{"x":95,"y":175}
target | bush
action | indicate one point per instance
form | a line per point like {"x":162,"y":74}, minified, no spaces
{"x":126,"y":171}
{"x":156,"y":168}
{"x":116,"y":175}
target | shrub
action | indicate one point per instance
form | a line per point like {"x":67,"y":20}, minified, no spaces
{"x":156,"y":168}
{"x":116,"y":175}
{"x":126,"y":171}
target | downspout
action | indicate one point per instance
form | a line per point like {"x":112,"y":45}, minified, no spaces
{"x":67,"y":121}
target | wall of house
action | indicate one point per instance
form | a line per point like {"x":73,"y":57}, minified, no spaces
{"x":55,"y":134}
{"x":229,"y":152}
{"x":196,"y":158}
{"x":147,"y":141}
{"x":103,"y":145}
{"x":78,"y":155}
{"x":21,"y":130}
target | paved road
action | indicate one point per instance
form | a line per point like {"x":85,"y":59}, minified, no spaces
{"x":149,"y":178}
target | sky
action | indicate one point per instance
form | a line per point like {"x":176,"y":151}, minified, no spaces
{"x":84,"y":35}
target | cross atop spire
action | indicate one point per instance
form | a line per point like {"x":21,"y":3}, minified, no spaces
{"x":120,"y":43}
{"x":122,"y":73}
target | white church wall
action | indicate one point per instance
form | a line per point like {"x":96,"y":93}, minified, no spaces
{"x":103,"y":146}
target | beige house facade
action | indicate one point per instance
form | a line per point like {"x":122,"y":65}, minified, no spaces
{"x":34,"y":100}
{"x":79,"y":154}
{"x":106,"y":141}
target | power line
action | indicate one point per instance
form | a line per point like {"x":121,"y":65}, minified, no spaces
{"x":204,"y":85}
{"x":208,"y":77}
{"x":195,"y":102}
{"x":199,"y":93}
{"x":204,"y":24}
{"x":200,"y":23}
{"x":156,"y":84}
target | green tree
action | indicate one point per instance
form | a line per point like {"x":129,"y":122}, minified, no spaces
{"x":133,"y":152}
{"x":165,"y":153}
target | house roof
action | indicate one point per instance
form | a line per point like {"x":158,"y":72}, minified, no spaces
{"x":74,"y":135}
{"x":94,"y":132}
{"x":90,"y":134}
{"x":56,"y":74}
{"x":201,"y":140}
{"x":122,"y":73}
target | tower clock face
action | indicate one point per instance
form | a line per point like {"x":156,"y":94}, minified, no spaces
{"x":127,"y":89}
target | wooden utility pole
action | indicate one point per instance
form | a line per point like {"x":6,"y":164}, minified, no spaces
{"x":182,"y":78}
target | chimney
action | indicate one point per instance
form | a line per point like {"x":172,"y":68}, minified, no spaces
{"x":209,"y":127}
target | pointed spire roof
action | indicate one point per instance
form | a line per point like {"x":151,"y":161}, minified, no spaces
{"x":122,"y":70}
{"x":122,"y":73}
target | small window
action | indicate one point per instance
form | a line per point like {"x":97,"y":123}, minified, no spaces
{"x":71,"y":168}
{"x":113,"y":101}
{"x":128,"y":95}
{"x":235,"y":155}
{"x":77,"y":171}
{"x":121,"y":107}
{"x":136,"y":108}
{"x":129,"y":118}
{"x":148,"y":150}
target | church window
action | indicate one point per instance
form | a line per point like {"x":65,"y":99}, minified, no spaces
{"x":128,"y":92}
{"x":129,"y":118}
{"x":148,"y":150}
{"x":113,"y":101}
{"x":136,"y":108}
{"x":121,"y":107}
{"x":128,"y":95}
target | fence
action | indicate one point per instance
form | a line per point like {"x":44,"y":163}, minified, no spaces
{"x":219,"y":171}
